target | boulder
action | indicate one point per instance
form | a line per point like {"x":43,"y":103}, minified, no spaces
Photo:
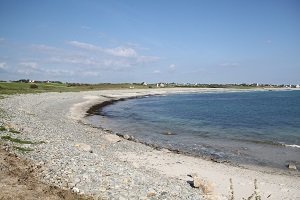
{"x":126,"y":137}
{"x":292,"y":166}
{"x":84,"y":147}
{"x":112,"y":138}
{"x":202,"y":184}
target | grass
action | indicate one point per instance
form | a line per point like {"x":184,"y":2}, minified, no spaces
{"x":13,"y":131}
{"x":25,"y":88}
{"x":2,"y":113}
{"x":255,"y":195}
{"x":2,"y":128}
{"x":7,"y":88}
{"x":16,"y":140}
{"x":22,"y":149}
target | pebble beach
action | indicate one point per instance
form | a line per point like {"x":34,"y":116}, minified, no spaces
{"x":73,"y":155}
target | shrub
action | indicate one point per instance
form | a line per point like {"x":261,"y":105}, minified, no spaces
{"x":33,"y":86}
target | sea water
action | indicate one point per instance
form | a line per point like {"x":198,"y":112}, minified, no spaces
{"x":259,"y":127}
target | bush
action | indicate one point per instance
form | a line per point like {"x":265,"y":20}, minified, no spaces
{"x":33,"y":86}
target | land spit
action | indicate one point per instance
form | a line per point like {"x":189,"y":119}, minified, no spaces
{"x":73,"y":155}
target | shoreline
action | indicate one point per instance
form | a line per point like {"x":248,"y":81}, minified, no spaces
{"x":59,"y":121}
{"x":96,"y":109}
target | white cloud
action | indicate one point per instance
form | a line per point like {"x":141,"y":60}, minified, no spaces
{"x":78,"y":59}
{"x":58,"y":72}
{"x":84,"y":45}
{"x":32,"y":65}
{"x":172,"y":66}
{"x":118,"y":51}
{"x":28,"y":68}
{"x":3,"y":65}
{"x":156,"y":71}
{"x":230,"y":64}
{"x":42,"y":47}
{"x":147,"y":59}
{"x":74,"y":59}
{"x":90,"y":73}
{"x":122,"y":52}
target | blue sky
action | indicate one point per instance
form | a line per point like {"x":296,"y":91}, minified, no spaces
{"x":197,"y":41}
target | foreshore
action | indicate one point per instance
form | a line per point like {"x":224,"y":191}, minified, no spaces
{"x":76,"y":156}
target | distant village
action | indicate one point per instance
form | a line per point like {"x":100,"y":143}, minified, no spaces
{"x":164,"y":84}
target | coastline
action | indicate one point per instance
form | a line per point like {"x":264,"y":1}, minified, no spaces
{"x":139,"y":159}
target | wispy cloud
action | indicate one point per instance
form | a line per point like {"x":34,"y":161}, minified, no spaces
{"x":77,"y":59}
{"x":122,"y":52}
{"x":3,"y":65}
{"x":84,"y":45}
{"x":43,"y":47}
{"x":156,"y":71}
{"x":117,"y":51}
{"x":172,"y":66}
{"x":74,"y":59}
{"x":230,"y":64}
{"x":32,"y":65}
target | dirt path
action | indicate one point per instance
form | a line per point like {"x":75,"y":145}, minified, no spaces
{"x":18,"y":180}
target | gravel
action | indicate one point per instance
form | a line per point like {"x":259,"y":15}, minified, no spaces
{"x":73,"y":155}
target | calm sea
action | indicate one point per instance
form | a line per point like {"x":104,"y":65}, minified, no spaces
{"x":261,"y":128}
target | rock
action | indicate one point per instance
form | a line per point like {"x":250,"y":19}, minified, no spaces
{"x":197,"y":182}
{"x":77,"y":180}
{"x":83,"y":147}
{"x":292,"y":166}
{"x":165,"y":150}
{"x":126,"y":137}
{"x":202,"y":184}
{"x":75,"y":190}
{"x":151,"y":194}
{"x":112,"y":138}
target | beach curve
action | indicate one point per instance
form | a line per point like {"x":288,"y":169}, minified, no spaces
{"x":57,"y":124}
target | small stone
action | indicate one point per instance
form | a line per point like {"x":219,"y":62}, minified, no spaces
{"x":292,"y":166}
{"x":112,"y":138}
{"x":83,"y":147}
{"x":75,"y":190}
{"x":151,"y":194}
{"x":200,"y":183}
{"x":126,"y":137}
{"x":77,"y":180}
{"x":165,"y":150}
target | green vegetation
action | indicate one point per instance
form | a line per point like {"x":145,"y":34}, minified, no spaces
{"x":13,"y":131}
{"x":255,"y":195}
{"x":24,"y":88}
{"x":2,"y":113}
{"x":16,"y":140}
{"x":34,"y":86}
{"x":22,"y":149}
{"x":2,"y":128}
{"x":7,"y":88}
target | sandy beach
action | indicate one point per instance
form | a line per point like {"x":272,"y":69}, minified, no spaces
{"x":73,"y":155}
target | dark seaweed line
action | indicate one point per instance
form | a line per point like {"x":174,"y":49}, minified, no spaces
{"x":97,"y":109}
